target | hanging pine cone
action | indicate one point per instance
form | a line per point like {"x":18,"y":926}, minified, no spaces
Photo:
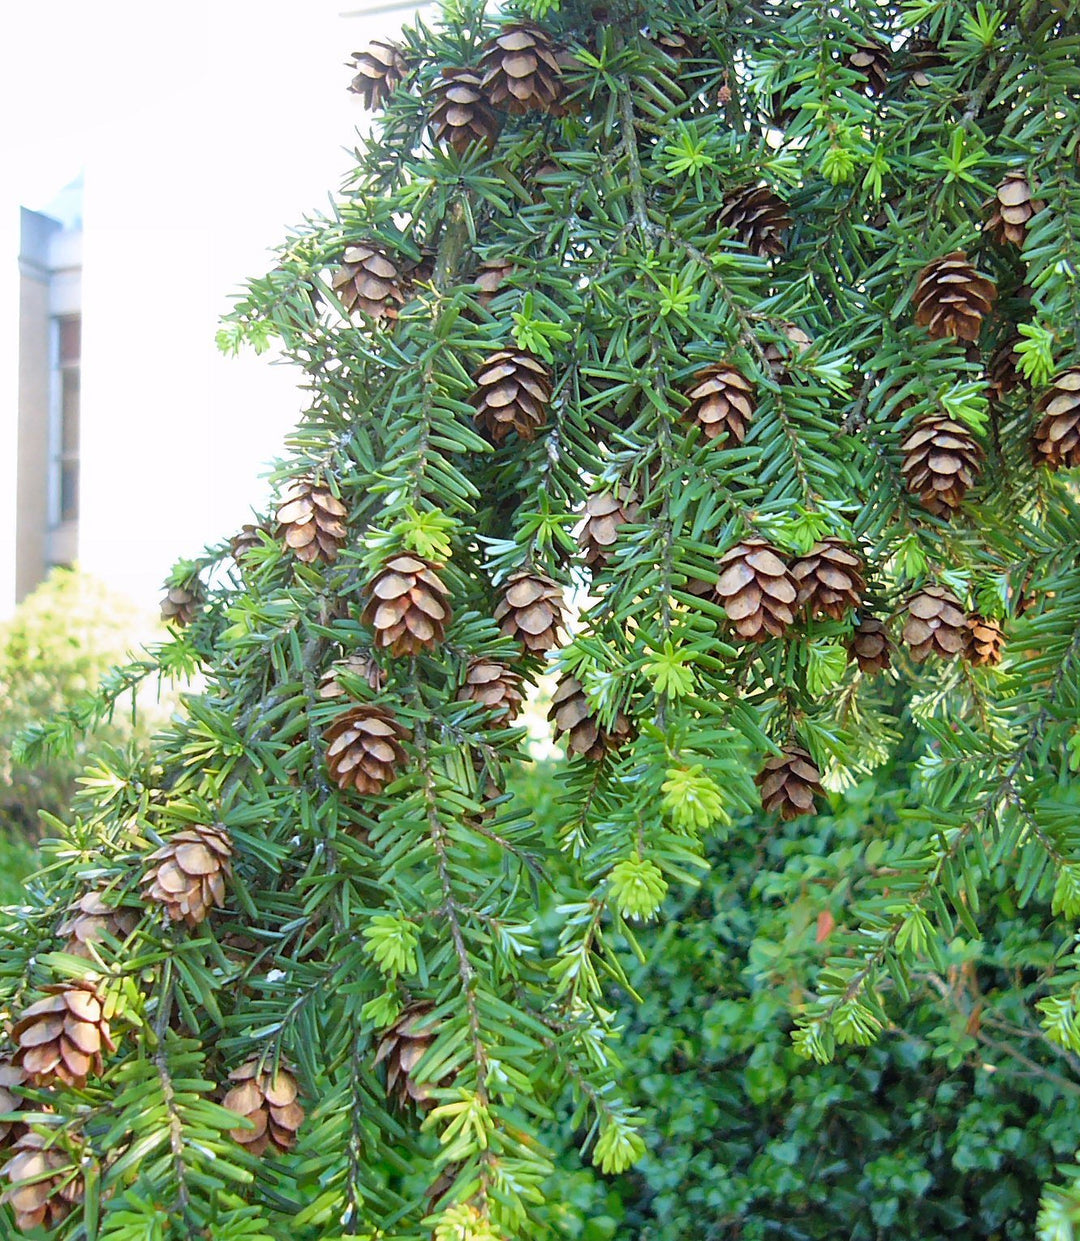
{"x":985,"y":641}
{"x":248,"y":540}
{"x":12,"y":1079}
{"x":722,"y":400}
{"x":269,"y":1103}
{"x":402,"y":1047}
{"x":60,"y":1037}
{"x":951,"y":298}
{"x":757,"y":217}
{"x":513,"y":390}
{"x":923,"y":56}
{"x":493,"y":685}
{"x":1057,"y":436}
{"x":572,"y":716}
{"x":532,"y":611}
{"x":363,"y":667}
{"x":604,"y":513}
{"x":493,"y":274}
{"x":936,"y":624}
{"x":1011,"y":209}
{"x":189,"y":873}
{"x":677,"y":44}
{"x":756,"y":590}
{"x":776,"y":356}
{"x":462,"y":114}
{"x":521,"y":70}
{"x":789,"y":782}
{"x":872,"y":61}
{"x":941,"y":461}
{"x":870,"y":646}
{"x":363,"y":749}
{"x":829,"y":579}
{"x":380,"y":68}
{"x":371,"y":281}
{"x":312,"y":523}
{"x":181,"y":604}
{"x":1003,"y":373}
{"x":90,"y":919}
{"x":409,"y":607}
{"x":45,"y":1183}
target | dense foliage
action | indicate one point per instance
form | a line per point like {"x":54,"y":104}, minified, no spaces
{"x":777,"y":302}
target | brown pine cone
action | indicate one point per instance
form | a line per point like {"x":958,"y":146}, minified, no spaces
{"x":90,"y":919}
{"x":604,"y":513}
{"x":1057,"y":437}
{"x":60,"y":1037}
{"x":189,"y":873}
{"x":677,"y":44}
{"x":492,"y":685}
{"x":462,"y":113}
{"x":269,"y":1103}
{"x":1012,"y":208}
{"x":409,"y":607}
{"x":361,"y":666}
{"x":936,"y":624}
{"x":402,"y":1047}
{"x":789,"y":783}
{"x":181,"y":604}
{"x":829,"y":579}
{"x":757,"y":217}
{"x":12,"y":1078}
{"x":986,"y":642}
{"x":870,"y":646}
{"x":248,"y":540}
{"x":370,"y":280}
{"x":572,"y":716}
{"x":45,"y":1183}
{"x":513,"y":390}
{"x":756,"y":590}
{"x":1003,"y":373}
{"x":492,"y":276}
{"x":722,"y":400}
{"x":312,"y":524}
{"x":951,"y":298}
{"x":364,"y":749}
{"x":941,"y":461}
{"x":380,"y":67}
{"x":872,"y":61}
{"x":532,"y":610}
{"x":776,"y":356}
{"x":521,"y":70}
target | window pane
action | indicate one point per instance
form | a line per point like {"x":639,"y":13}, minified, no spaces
{"x":69,"y":413}
{"x":70,"y":339}
{"x":69,"y":491}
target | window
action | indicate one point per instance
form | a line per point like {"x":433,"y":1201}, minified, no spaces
{"x":66,"y":437}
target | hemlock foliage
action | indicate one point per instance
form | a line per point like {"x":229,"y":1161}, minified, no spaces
{"x":733,"y":272}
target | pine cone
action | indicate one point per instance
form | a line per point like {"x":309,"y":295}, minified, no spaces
{"x":311,"y":522}
{"x":60,"y":1037}
{"x":402,"y":1047}
{"x":1011,"y":209}
{"x":923,"y":57}
{"x":872,"y":61}
{"x":492,"y":685}
{"x":190,"y":873}
{"x":182,"y":604}
{"x":986,"y":642}
{"x":248,"y":540}
{"x":45,"y":1183}
{"x":371,"y":281}
{"x":409,"y":607}
{"x":1057,"y":437}
{"x":870,"y":646}
{"x":756,"y":590}
{"x":757,"y":217}
{"x":512,"y":394}
{"x":462,"y":114}
{"x":271,"y":1106}
{"x":677,"y":44}
{"x":361,"y":666}
{"x":572,"y":716}
{"x":789,"y":782}
{"x":941,"y":461}
{"x":12,"y":1078}
{"x":951,"y":298}
{"x":829,"y":579}
{"x":936,"y":624}
{"x":776,"y":356}
{"x":1003,"y":373}
{"x":492,"y":276}
{"x":604,"y":513}
{"x":363,"y":749}
{"x":722,"y":400}
{"x":521,"y":70}
{"x":90,"y":919}
{"x":532,"y":610}
{"x":380,"y":67}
